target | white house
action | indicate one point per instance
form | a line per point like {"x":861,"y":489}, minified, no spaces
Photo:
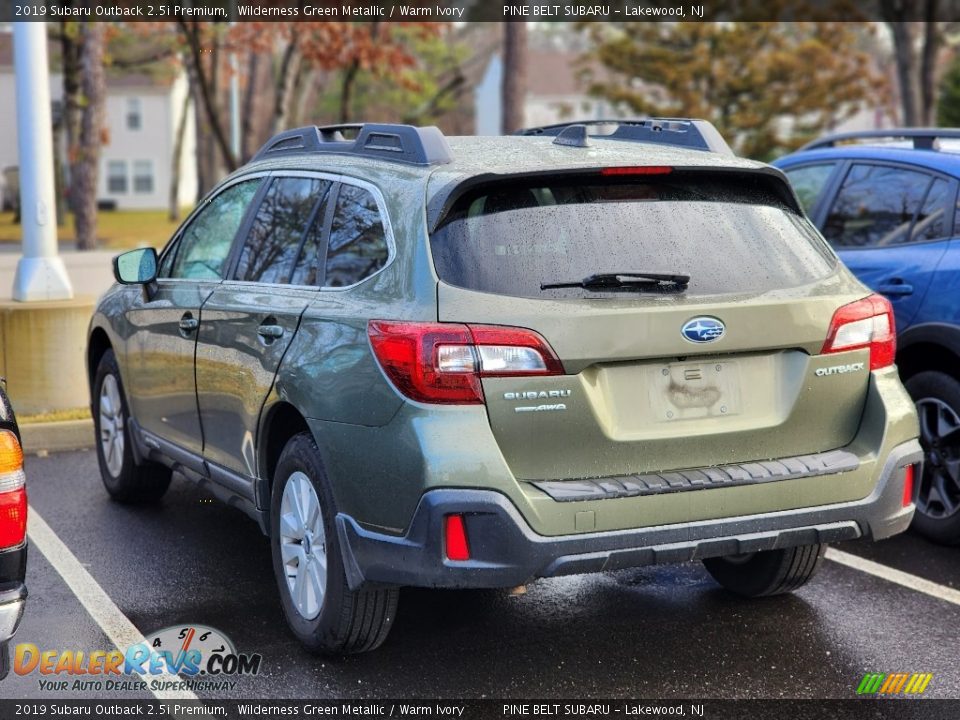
{"x":142,"y":113}
{"x":555,"y":93}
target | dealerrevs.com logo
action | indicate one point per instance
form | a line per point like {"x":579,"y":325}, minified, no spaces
{"x":203,"y":657}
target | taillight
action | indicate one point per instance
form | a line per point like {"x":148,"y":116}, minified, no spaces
{"x":866,"y":323}
{"x":13,"y":493}
{"x":444,"y":362}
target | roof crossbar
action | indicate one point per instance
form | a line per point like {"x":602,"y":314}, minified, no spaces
{"x":923,"y":138}
{"x":390,"y":142}
{"x":680,"y":132}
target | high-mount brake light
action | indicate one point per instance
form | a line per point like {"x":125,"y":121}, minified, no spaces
{"x":638,"y":170}
{"x":13,"y":493}
{"x":866,"y":323}
{"x":444,"y":362}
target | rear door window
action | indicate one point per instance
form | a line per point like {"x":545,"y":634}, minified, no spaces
{"x":877,"y":205}
{"x":931,"y":221}
{"x":280,"y":229}
{"x":729,"y":235}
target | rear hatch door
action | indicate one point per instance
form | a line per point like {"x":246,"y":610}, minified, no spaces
{"x":657,"y":376}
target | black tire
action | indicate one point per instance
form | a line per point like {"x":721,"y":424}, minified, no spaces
{"x":347,"y":621}
{"x":771,"y":572}
{"x":126,"y":482}
{"x":937,"y":492}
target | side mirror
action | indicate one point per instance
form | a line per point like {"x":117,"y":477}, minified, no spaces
{"x":136,"y":267}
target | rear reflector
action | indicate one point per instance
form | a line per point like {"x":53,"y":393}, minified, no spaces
{"x":864,"y":324}
{"x":444,"y":362}
{"x":908,"y":472}
{"x":455,"y":538}
{"x":639,"y":170}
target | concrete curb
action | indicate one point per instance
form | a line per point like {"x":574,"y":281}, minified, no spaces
{"x":57,"y":436}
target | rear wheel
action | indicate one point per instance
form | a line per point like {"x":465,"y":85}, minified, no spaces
{"x":770,"y":572}
{"x":320,"y":608}
{"x":125,"y":480}
{"x":937,"y":496}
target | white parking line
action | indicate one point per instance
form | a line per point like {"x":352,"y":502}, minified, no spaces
{"x":914,"y":582}
{"x":96,"y":602}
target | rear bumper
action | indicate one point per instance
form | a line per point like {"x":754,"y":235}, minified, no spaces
{"x":13,"y":592}
{"x":506,"y":552}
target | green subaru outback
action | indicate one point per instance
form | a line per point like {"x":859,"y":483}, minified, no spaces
{"x":473,"y":362}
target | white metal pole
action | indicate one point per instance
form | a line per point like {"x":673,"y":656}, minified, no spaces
{"x":234,"y":94}
{"x":41,"y":274}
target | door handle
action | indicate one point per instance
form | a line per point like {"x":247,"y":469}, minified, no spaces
{"x":896,"y":289}
{"x":270,"y":332}
{"x":188,"y":323}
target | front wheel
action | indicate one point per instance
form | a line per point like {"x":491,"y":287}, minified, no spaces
{"x":937,"y":495}
{"x":769,"y":572}
{"x":126,"y":481}
{"x":321,"y":610}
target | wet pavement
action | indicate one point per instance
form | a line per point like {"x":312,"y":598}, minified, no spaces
{"x":663,"y":632}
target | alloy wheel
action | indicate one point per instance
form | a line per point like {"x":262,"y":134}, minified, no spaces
{"x":111,"y":425}
{"x":303,"y":545}
{"x":938,"y":494}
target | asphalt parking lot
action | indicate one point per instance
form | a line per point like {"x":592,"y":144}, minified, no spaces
{"x":662,"y":632}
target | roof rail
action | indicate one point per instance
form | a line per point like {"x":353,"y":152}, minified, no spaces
{"x":682,"y":132}
{"x":923,"y":138}
{"x":394,"y":143}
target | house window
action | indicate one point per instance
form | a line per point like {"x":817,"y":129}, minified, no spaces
{"x":117,"y":176}
{"x":143,"y":176}
{"x":134,"y":114}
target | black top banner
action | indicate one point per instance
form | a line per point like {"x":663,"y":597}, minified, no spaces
{"x":461,"y":11}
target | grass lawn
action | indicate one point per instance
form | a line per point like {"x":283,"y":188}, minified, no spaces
{"x":117,"y":229}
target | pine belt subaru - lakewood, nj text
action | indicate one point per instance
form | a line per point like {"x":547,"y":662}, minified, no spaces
{"x":472,"y":362}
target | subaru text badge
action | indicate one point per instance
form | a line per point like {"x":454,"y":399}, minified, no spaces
{"x":703,"y":329}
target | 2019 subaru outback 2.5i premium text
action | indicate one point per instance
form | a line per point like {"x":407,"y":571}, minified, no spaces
{"x":473,"y":362}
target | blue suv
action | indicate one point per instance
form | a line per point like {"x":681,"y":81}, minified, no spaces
{"x":887,"y":202}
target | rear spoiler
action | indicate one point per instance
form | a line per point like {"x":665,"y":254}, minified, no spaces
{"x":439,"y":205}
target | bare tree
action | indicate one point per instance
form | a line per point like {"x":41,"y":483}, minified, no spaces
{"x":514,"y":88}
{"x":205,"y":78}
{"x":176,"y":162}
{"x":86,"y":155}
{"x":917,"y":38}
{"x":286,"y":82}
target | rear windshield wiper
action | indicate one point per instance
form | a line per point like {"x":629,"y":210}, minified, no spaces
{"x":625,"y":281}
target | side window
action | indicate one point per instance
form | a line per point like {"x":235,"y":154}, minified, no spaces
{"x":166,"y":262}
{"x":809,"y":182}
{"x":307,"y":269}
{"x":279,"y":229}
{"x":931,"y":222}
{"x":358,"y":243}
{"x":205,"y":244}
{"x":875,"y":207}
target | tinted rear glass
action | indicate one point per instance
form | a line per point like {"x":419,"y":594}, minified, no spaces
{"x":728,"y":235}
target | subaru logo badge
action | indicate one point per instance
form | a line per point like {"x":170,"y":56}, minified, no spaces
{"x":703,"y":329}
